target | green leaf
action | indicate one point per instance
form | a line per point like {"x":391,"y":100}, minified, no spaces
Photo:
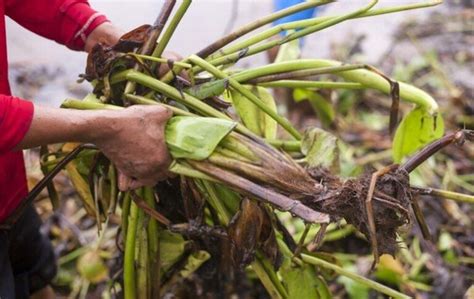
{"x":289,"y":51}
{"x":195,"y":260}
{"x":355,"y":289}
{"x":172,"y":247}
{"x":252,"y":117}
{"x":195,"y":137}
{"x":267,"y":124}
{"x":208,"y":89}
{"x":300,"y":281}
{"x":92,"y":267}
{"x":417,"y":129}
{"x":321,"y":106}
{"x":321,"y":149}
{"x":390,"y":270}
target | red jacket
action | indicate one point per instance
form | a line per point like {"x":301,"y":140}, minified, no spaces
{"x":67,"y":22}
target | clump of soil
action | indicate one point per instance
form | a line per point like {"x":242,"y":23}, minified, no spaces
{"x":346,"y":199}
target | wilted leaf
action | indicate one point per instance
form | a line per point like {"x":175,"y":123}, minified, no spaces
{"x":321,"y":149}
{"x":417,"y":129}
{"x":321,"y":106}
{"x":252,"y":117}
{"x":82,"y":188}
{"x":92,"y":267}
{"x":195,"y":137}
{"x":244,"y":232}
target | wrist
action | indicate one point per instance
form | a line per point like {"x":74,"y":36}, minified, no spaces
{"x":98,"y":126}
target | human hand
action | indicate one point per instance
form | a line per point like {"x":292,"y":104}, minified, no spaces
{"x":106,"y":33}
{"x":137,"y":145}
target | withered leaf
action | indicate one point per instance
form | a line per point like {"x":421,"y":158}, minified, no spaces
{"x":249,"y":230}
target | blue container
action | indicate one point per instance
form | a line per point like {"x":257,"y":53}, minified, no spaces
{"x":302,"y":15}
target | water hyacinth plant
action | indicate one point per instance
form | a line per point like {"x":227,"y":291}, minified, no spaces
{"x":219,"y":221}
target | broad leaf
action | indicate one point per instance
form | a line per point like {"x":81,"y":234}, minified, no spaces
{"x":302,"y":282}
{"x":417,"y":129}
{"x":321,"y":149}
{"x":172,"y":247}
{"x":195,"y":137}
{"x":252,"y":117}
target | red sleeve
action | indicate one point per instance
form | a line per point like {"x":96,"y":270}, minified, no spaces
{"x":15,"y":120}
{"x":68,"y":22}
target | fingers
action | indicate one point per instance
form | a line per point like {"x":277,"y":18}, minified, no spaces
{"x":126,"y":183}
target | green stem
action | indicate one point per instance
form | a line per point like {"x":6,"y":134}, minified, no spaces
{"x":257,"y":24}
{"x":152,"y":36}
{"x":182,"y":98}
{"x":313,"y":84}
{"x":216,"y":203}
{"x":142,"y":244}
{"x":84,"y":105}
{"x":367,"y":78}
{"x":356,"y":277}
{"x":311,"y":22}
{"x":153,"y":246}
{"x":231,"y":58}
{"x":125,"y":213}
{"x":182,"y":168}
{"x":247,"y":93}
{"x":293,"y":75}
{"x":265,"y":273}
{"x":145,"y":101}
{"x":286,"y":145}
{"x":447,"y":194}
{"x":130,"y":289}
{"x":160,"y":60}
{"x":301,"y":24}
{"x":159,"y":49}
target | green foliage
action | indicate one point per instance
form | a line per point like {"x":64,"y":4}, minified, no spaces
{"x":321,"y":149}
{"x":172,"y":247}
{"x":417,"y":129}
{"x":195,"y":260}
{"x":323,"y":108}
{"x":356,"y":290}
{"x":92,"y":267}
{"x":252,"y":116}
{"x":195,"y":137}
{"x":302,"y":282}
{"x":208,"y":89}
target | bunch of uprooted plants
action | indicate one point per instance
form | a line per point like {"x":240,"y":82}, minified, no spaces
{"x":216,"y":229}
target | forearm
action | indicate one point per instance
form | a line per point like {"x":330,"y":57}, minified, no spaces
{"x":53,"y":125}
